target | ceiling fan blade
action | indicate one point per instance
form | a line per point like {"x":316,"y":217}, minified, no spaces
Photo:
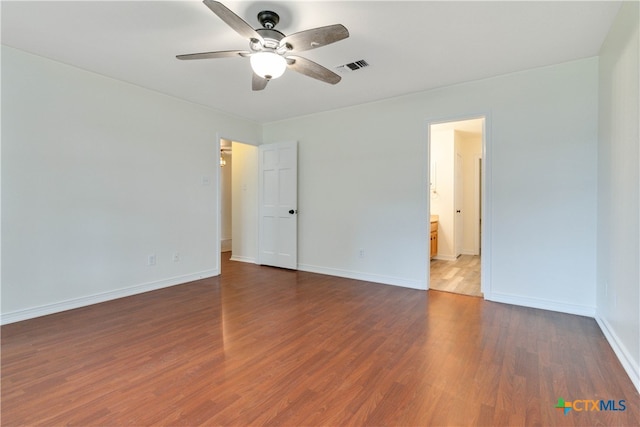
{"x":315,"y":37}
{"x":258,"y":83}
{"x":233,"y":20}
{"x":311,"y":69}
{"x":214,"y":55}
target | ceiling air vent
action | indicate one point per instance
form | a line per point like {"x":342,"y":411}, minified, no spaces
{"x":352,"y":66}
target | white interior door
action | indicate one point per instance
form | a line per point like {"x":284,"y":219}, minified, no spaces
{"x":458,"y":202}
{"x":278,"y":183}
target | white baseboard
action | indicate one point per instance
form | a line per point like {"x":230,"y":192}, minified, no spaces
{"x":225,"y":245}
{"x":30,"y":313}
{"x":631,"y":368}
{"x":243,"y":259}
{"x":580,"y":310}
{"x":366,"y":277}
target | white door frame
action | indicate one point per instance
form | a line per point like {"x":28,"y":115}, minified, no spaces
{"x":477,"y":203}
{"x":485,"y":232}
{"x":218,"y":146}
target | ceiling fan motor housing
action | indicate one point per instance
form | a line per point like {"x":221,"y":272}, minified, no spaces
{"x":271,"y":38}
{"x":270,"y":35}
{"x":268,"y":19}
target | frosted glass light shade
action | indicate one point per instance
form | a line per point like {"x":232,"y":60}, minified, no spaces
{"x":268,"y":65}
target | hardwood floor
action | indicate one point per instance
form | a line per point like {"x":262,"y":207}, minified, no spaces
{"x":260,"y":345}
{"x":461,"y":276}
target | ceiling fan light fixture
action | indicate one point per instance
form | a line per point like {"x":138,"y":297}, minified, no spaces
{"x":268,"y":65}
{"x":270,"y":51}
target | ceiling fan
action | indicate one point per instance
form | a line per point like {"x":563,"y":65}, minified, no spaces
{"x":270,"y":51}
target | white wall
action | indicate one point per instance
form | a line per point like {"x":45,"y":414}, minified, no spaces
{"x":363,"y":184}
{"x":98,"y":174}
{"x":245,"y":202}
{"x":618,"y":278}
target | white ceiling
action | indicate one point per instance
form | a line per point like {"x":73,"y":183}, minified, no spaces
{"x":410,"y":46}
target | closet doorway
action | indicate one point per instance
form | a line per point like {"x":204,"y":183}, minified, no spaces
{"x":455,"y":200}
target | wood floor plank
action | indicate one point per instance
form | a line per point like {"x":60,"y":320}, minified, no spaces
{"x":264,"y":346}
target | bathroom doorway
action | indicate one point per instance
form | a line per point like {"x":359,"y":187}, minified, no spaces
{"x":455,"y":199}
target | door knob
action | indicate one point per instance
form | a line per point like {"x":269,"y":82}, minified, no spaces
{"x":458,"y":211}
{"x":291,"y":211}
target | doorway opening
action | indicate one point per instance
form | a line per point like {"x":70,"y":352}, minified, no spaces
{"x":456,"y":189}
{"x":226,"y":197}
{"x":237,"y":201}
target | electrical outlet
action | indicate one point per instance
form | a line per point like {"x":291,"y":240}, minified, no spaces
{"x":361,"y":253}
{"x":151,"y":260}
{"x":176,"y":257}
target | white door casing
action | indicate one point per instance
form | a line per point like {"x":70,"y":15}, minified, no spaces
{"x":278,"y":216}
